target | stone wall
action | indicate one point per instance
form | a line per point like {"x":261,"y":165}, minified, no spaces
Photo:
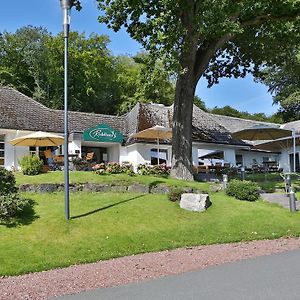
{"x":96,"y":187}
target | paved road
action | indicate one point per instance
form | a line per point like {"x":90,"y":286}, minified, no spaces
{"x":269,"y":277}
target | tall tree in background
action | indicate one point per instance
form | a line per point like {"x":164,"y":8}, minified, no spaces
{"x":283,"y":80}
{"x":31,"y":61}
{"x":205,"y":38}
{"x":141,"y":81}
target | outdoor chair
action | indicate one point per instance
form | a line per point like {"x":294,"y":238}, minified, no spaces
{"x":50,"y":159}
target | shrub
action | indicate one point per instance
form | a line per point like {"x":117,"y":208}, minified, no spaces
{"x":31,"y":165}
{"x":10,"y":202}
{"x":162,"y":169}
{"x":7,"y":182}
{"x":175,"y":194}
{"x":243,"y":190}
{"x":11,"y":205}
{"x":114,"y":168}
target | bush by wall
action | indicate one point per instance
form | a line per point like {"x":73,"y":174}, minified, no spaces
{"x":162,"y":169}
{"x":113,"y":168}
{"x":31,"y":165}
{"x":243,"y":190}
{"x":7,"y":182}
{"x":175,"y":194}
{"x":10,"y":202}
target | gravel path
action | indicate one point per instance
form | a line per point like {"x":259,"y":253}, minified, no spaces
{"x":135,"y":268}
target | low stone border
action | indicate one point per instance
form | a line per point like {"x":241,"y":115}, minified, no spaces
{"x":98,"y":187}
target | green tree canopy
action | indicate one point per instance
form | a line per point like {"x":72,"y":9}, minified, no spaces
{"x":220,"y":38}
{"x":283,"y":80}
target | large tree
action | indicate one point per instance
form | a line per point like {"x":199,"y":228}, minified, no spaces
{"x":283,"y":80}
{"x":211,"y":38}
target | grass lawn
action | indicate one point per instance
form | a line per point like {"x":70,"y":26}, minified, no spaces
{"x":107,"y":225}
{"x":91,"y":177}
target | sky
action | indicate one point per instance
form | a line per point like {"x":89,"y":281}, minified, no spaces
{"x":243,"y":94}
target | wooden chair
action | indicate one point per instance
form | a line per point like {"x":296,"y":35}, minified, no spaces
{"x":48,"y":154}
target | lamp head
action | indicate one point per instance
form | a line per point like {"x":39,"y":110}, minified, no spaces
{"x":66,"y":4}
{"x":66,"y":8}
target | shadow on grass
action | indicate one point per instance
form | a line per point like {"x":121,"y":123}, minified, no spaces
{"x":155,"y":183}
{"x":26,"y":217}
{"x":106,"y":207}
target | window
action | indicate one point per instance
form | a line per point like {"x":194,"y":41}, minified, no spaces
{"x":163,"y":156}
{"x":2,"y":150}
{"x":239,"y":159}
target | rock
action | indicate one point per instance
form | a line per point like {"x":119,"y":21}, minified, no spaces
{"x":160,"y":189}
{"x":138,"y":188}
{"x":119,"y":188}
{"x":27,"y":188}
{"x":215,"y":187}
{"x":93,"y":187}
{"x":75,"y":187}
{"x":47,"y":188}
{"x":195,"y":202}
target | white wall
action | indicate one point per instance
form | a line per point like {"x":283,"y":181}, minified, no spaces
{"x":12,"y":154}
{"x":140,"y":153}
{"x":74,"y":146}
{"x":113,"y":153}
{"x":284,"y":158}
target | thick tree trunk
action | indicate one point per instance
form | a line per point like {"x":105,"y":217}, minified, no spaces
{"x":182,"y":127}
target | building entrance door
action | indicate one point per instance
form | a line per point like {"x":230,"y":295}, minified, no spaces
{"x":100,"y":153}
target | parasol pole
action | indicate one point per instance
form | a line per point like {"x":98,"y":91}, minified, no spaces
{"x":294,"y":150}
{"x":158,"y":148}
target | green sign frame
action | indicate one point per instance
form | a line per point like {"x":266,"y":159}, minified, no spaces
{"x":103,"y":133}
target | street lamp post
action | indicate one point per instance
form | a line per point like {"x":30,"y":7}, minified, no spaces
{"x":66,"y":8}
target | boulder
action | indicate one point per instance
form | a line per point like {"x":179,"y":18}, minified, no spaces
{"x":195,"y":202}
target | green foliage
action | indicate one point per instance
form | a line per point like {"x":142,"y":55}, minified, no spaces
{"x":283,"y":80}
{"x":31,"y":165}
{"x":243,"y":190}
{"x":10,"y":202}
{"x":7,"y":182}
{"x":145,"y":169}
{"x":232,"y":112}
{"x":175,"y":194}
{"x":114,"y":168}
{"x":141,"y":80}
{"x":107,"y":84}
{"x":11,"y":205}
{"x":211,"y":39}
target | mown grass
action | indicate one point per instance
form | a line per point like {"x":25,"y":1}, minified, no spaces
{"x":107,"y":225}
{"x":92,"y":177}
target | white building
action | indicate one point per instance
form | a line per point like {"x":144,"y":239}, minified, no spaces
{"x":109,"y":137}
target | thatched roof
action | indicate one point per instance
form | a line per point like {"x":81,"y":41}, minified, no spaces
{"x":233,"y":124}
{"x":21,"y":112}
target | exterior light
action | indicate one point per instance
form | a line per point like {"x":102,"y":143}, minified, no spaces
{"x":66,"y":9}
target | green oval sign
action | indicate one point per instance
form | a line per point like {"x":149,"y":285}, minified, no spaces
{"x":103,"y":133}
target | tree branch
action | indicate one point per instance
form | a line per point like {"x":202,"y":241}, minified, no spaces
{"x":258,"y":20}
{"x":206,"y":53}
